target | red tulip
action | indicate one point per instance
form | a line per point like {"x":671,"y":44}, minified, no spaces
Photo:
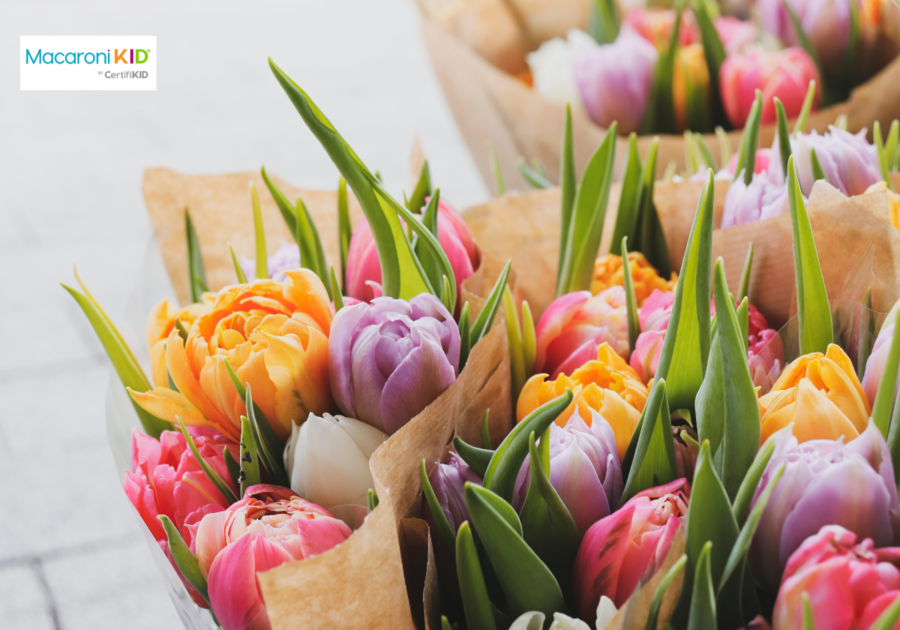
{"x":617,"y":551}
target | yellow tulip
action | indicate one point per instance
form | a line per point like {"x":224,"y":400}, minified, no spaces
{"x":689,"y":81}
{"x":608,"y":273}
{"x":893,"y":201}
{"x":275,"y":337}
{"x":821,"y":395}
{"x":608,"y":386}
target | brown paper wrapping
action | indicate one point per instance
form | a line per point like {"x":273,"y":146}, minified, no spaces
{"x":492,"y":106}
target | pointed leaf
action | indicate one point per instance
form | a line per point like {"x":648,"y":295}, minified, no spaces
{"x":465,"y":336}
{"x":422,"y":190}
{"x":515,"y":343}
{"x":238,"y":270}
{"x":211,"y":474}
{"x":650,"y":239}
{"x":499,"y":183}
{"x":568,"y":184}
{"x":744,"y":497}
{"x":807,"y":613}
{"x":534,"y":179}
{"x":744,"y":289}
{"x":604,"y":21}
{"x":270,"y":451}
{"x":817,"y":170}
{"x":634,"y":322}
{"x":659,"y":116}
{"x":801,"y":37}
{"x":486,"y":431}
{"x":345,"y":230}
{"x":784,"y":137}
{"x":724,"y":146}
{"x":654,"y":461}
{"x":266,"y":431}
{"x":888,"y":618}
{"x":803,"y":117}
{"x":196,"y":271}
{"x":887,"y":386}
{"x":713,"y":51}
{"x":485,"y":319}
{"x":312,"y":244}
{"x":476,"y":603}
{"x":184,"y":558}
{"x":249,"y":457}
{"x":234,"y":469}
{"x":372,"y":500}
{"x":477,"y":458}
{"x":629,"y":199}
{"x":705,"y":153}
{"x":703,"y":600}
{"x":866,"y":333}
{"x":529,"y":339}
{"x":335,"y":289}
{"x":743,"y":315}
{"x":746,"y":163}
{"x":653,"y":617}
{"x":262,"y":259}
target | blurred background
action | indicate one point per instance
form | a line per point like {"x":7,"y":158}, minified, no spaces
{"x":72,"y":555}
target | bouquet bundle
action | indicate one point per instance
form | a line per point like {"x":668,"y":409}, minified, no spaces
{"x":691,"y":68}
{"x":267,"y":392}
{"x":677,"y":461}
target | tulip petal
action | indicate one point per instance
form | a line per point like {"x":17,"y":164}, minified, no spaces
{"x":575,"y":479}
{"x":318,"y":535}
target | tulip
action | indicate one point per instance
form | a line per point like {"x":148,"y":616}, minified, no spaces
{"x":615,"y":80}
{"x":825,"y":482}
{"x":893,"y":201}
{"x":609,"y":272}
{"x":607,"y":385}
{"x":849,"y":162}
{"x":764,"y":198}
{"x":364,"y":268}
{"x":575,"y":325}
{"x":656,"y":24}
{"x":766,"y":359}
{"x":552,"y":68}
{"x":621,"y":549}
{"x":690,"y":83}
{"x":584,"y":469}
{"x":761,"y":164}
{"x":449,"y":483}
{"x":160,"y":325}
{"x":825,"y":22}
{"x":736,"y":35}
{"x":785,"y":74}
{"x":877,"y":360}
{"x":821,"y":395}
{"x":282,"y":259}
{"x":849,"y":584}
{"x":327,"y":460}
{"x":268,"y":527}
{"x":276,"y":338}
{"x":654,"y":319}
{"x":391,"y":358}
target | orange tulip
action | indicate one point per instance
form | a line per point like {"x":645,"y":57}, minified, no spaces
{"x":276,"y":338}
{"x":689,"y":81}
{"x":608,"y":273}
{"x":608,"y":386}
{"x":160,"y":325}
{"x":821,"y":395}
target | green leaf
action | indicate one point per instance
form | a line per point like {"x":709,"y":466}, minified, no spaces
{"x":888,"y":618}
{"x":807,"y":613}
{"x":749,"y":141}
{"x":659,"y":117}
{"x":372,"y":500}
{"x":312,"y":245}
{"x":685,"y":349}
{"x":534,"y":179}
{"x":485,"y":319}
{"x":703,"y":600}
{"x":817,"y":171}
{"x":529,"y":339}
{"x":744,"y":289}
{"x":515,"y":343}
{"x":630,"y":198}
{"x":784,"y":137}
{"x":744,"y":497}
{"x":885,"y":151}
{"x":568,"y":184}
{"x":288,"y":212}
{"x":800,"y":123}
{"x":345,"y":230}
{"x":727,"y":409}
{"x":196,"y":271}
{"x":444,"y":529}
{"x":430,"y":264}
{"x":445,"y":624}
{"x":504,"y":466}
{"x":249,"y":462}
{"x":654,"y":461}
{"x":866,"y":334}
{"x":238,"y":270}
{"x":422,"y":190}
{"x":604,"y":21}
{"x":476,"y":603}
{"x":547,"y":524}
{"x":123,"y":360}
{"x":713,"y":51}
{"x":234,"y":469}
{"x":527,"y":582}
{"x":705,"y":153}
{"x":402,"y":275}
{"x":743,"y":315}
{"x":802,"y":38}
{"x":813,"y":310}
{"x":271,"y":453}
{"x":887,"y":386}
{"x":335,"y":289}
{"x":259,"y":233}
{"x":650,"y":239}
{"x":266,"y":431}
{"x":634,"y":322}
{"x":653,"y":616}
{"x":486,"y":431}
{"x":724,"y":147}
{"x":586,"y":226}
{"x":211,"y":474}
{"x":499,"y":183}
{"x":184,"y":558}
{"x":465,"y":332}
{"x":478,"y":458}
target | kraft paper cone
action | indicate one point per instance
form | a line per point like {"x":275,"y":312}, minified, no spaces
{"x":221,"y":211}
{"x":492,"y":106}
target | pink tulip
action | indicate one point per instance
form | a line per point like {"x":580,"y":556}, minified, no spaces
{"x":764,"y":198}
{"x":849,"y":162}
{"x":615,"y":80}
{"x":654,"y":319}
{"x":849,"y":584}
{"x":364,"y":269}
{"x":876,"y":362}
{"x":268,"y":527}
{"x":633,"y":542}
{"x":766,"y":359}
{"x":825,"y":22}
{"x":575,"y":325}
{"x":736,"y":34}
{"x":785,"y":74}
{"x":763,"y":158}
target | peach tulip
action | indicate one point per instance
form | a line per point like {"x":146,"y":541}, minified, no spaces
{"x":607,"y":385}
{"x":608,"y":272}
{"x":160,"y":325}
{"x":276,"y":338}
{"x":821,"y":395}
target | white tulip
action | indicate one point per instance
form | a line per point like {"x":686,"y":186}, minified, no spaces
{"x":551,"y":68}
{"x":534,"y":620}
{"x":327,"y":460}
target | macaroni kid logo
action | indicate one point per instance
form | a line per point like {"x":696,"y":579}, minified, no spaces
{"x":87,"y":63}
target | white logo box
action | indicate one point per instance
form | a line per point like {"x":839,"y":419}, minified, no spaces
{"x":74,"y":62}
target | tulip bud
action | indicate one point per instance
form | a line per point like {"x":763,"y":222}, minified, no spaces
{"x":449,"y":483}
{"x":877,"y":360}
{"x":584,"y":469}
{"x":785,"y":74}
{"x":764,"y":198}
{"x":575,"y":325}
{"x":849,"y":162}
{"x":631,"y":543}
{"x":825,"y":482}
{"x":615,"y":80}
{"x":825,"y":22}
{"x":327,"y":460}
{"x":610,"y":272}
{"x":391,"y":358}
{"x":849,"y":584}
{"x":552,"y":68}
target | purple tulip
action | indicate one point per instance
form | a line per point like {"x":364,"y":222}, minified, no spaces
{"x":389,"y":359}
{"x":825,"y":482}
{"x":765,"y":197}
{"x":584,"y":469}
{"x":825,"y":22}
{"x":850,"y":163}
{"x":615,"y":80}
{"x":449,"y":483}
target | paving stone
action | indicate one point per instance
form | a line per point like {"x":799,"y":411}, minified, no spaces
{"x":23,"y":601}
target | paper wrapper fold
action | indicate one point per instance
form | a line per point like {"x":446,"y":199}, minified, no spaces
{"x":491,"y":106}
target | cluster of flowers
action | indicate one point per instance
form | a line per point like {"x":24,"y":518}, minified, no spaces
{"x":712,"y":64}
